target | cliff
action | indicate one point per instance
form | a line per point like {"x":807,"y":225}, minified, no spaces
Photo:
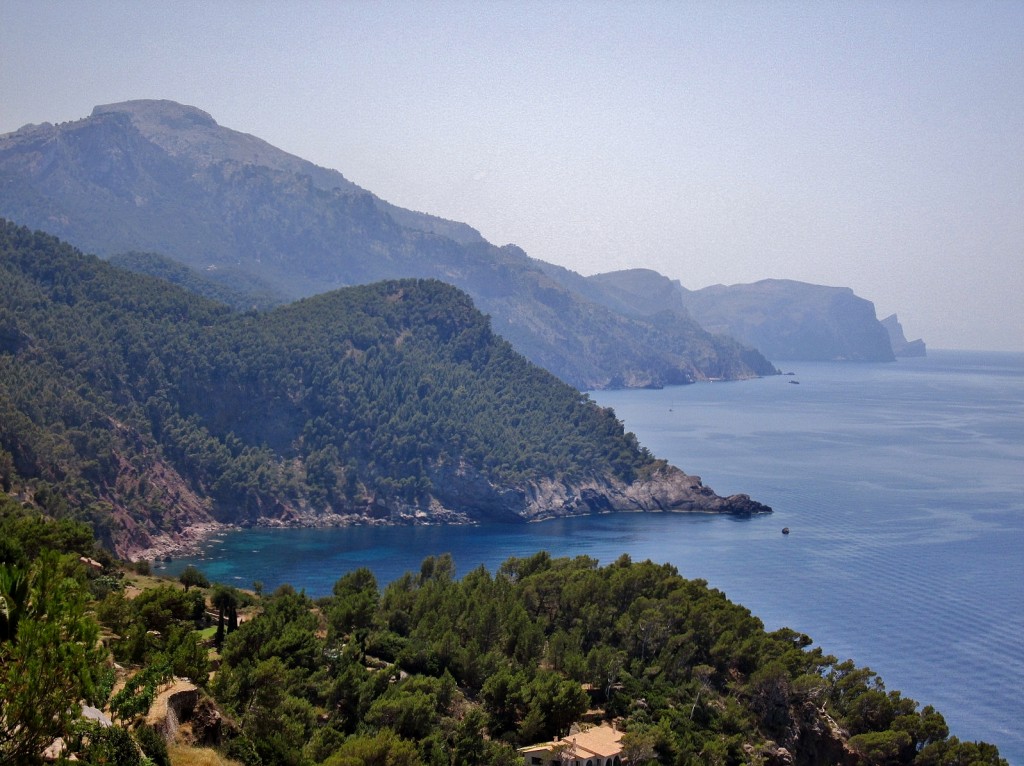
{"x":788,"y":320}
{"x":902,"y":347}
{"x":782,"y":319}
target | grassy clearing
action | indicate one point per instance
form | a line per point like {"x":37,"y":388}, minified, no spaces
{"x":135,"y":583}
{"x":183,"y":755}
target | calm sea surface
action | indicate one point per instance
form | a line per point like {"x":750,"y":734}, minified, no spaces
{"x":902,"y":485}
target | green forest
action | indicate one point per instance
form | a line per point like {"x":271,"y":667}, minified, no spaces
{"x":140,"y":407}
{"x":431,"y":669}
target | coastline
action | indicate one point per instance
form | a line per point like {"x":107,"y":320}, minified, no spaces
{"x":187,"y":542}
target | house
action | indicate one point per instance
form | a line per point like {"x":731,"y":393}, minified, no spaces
{"x":596,"y":746}
{"x":91,"y":563}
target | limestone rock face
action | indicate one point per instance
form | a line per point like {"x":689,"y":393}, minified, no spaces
{"x":665,"y":489}
{"x":902,"y":347}
{"x":781,"y":318}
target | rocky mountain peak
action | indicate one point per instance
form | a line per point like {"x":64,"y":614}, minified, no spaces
{"x":188,"y":132}
{"x":159,"y":112}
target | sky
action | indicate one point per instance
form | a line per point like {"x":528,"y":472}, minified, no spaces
{"x":874,"y":145}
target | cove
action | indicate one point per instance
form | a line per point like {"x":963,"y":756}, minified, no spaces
{"x":902,"y":485}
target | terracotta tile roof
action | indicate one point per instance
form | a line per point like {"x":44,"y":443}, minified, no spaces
{"x":603,"y":741}
{"x":598,"y":741}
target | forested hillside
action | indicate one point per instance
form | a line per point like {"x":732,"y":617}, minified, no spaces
{"x":229,"y":286}
{"x":151,"y":410}
{"x":430,"y":670}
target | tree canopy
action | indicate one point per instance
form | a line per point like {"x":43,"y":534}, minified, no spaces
{"x":438,"y":669}
{"x":142,"y":407}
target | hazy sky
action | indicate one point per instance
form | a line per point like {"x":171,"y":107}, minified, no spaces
{"x":868,"y":144}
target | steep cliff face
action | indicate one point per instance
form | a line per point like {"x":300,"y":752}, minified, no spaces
{"x":667,"y":490}
{"x":902,"y":347}
{"x":664,"y":488}
{"x":461,"y":496}
{"x":782,"y":319}
{"x":789,"y":320}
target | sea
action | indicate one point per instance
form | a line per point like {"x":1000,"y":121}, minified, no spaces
{"x":901,"y":485}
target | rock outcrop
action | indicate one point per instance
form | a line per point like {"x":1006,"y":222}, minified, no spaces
{"x":788,"y":320}
{"x":902,"y":347}
{"x":664,"y":489}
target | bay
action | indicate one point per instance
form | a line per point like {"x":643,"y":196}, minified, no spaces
{"x":902,"y":485}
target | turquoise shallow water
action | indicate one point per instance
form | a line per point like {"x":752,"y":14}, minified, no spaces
{"x":903,"y":487}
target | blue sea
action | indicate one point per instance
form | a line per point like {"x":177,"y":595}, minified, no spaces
{"x":902,"y":485}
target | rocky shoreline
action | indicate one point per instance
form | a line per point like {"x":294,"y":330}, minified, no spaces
{"x":666,"y":489}
{"x":168,"y":545}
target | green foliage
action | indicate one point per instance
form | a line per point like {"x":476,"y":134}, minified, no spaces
{"x":354,"y":604}
{"x":49,"y":658}
{"x":385,"y":748}
{"x":638,"y":746}
{"x":138,"y":693}
{"x":953,"y":752}
{"x":471,"y":668}
{"x":226,"y":601}
{"x":881,"y":748}
{"x":158,"y":630}
{"x":25,"y":533}
{"x":110,"y":746}
{"x":229,"y":286}
{"x":369,"y":400}
{"x":153,"y":745}
{"x":192,"y":577}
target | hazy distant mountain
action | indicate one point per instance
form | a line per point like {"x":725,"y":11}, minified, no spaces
{"x":902,"y":347}
{"x":783,"y":319}
{"x":237,"y":289}
{"x":159,"y":177}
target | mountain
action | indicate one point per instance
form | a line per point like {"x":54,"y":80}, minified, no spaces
{"x":902,"y":347}
{"x":234,"y":288}
{"x":783,"y":319}
{"x":159,"y":177}
{"x":155,"y":411}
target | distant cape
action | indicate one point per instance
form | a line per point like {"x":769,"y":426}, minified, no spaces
{"x":902,"y":347}
{"x":784,"y":319}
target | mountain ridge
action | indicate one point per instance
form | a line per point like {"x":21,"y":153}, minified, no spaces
{"x":181,"y":129}
{"x":155,"y":176}
{"x":132,"y":178}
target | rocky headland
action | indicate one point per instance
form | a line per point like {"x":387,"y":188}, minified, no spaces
{"x":902,"y":347}
{"x":463,"y":497}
